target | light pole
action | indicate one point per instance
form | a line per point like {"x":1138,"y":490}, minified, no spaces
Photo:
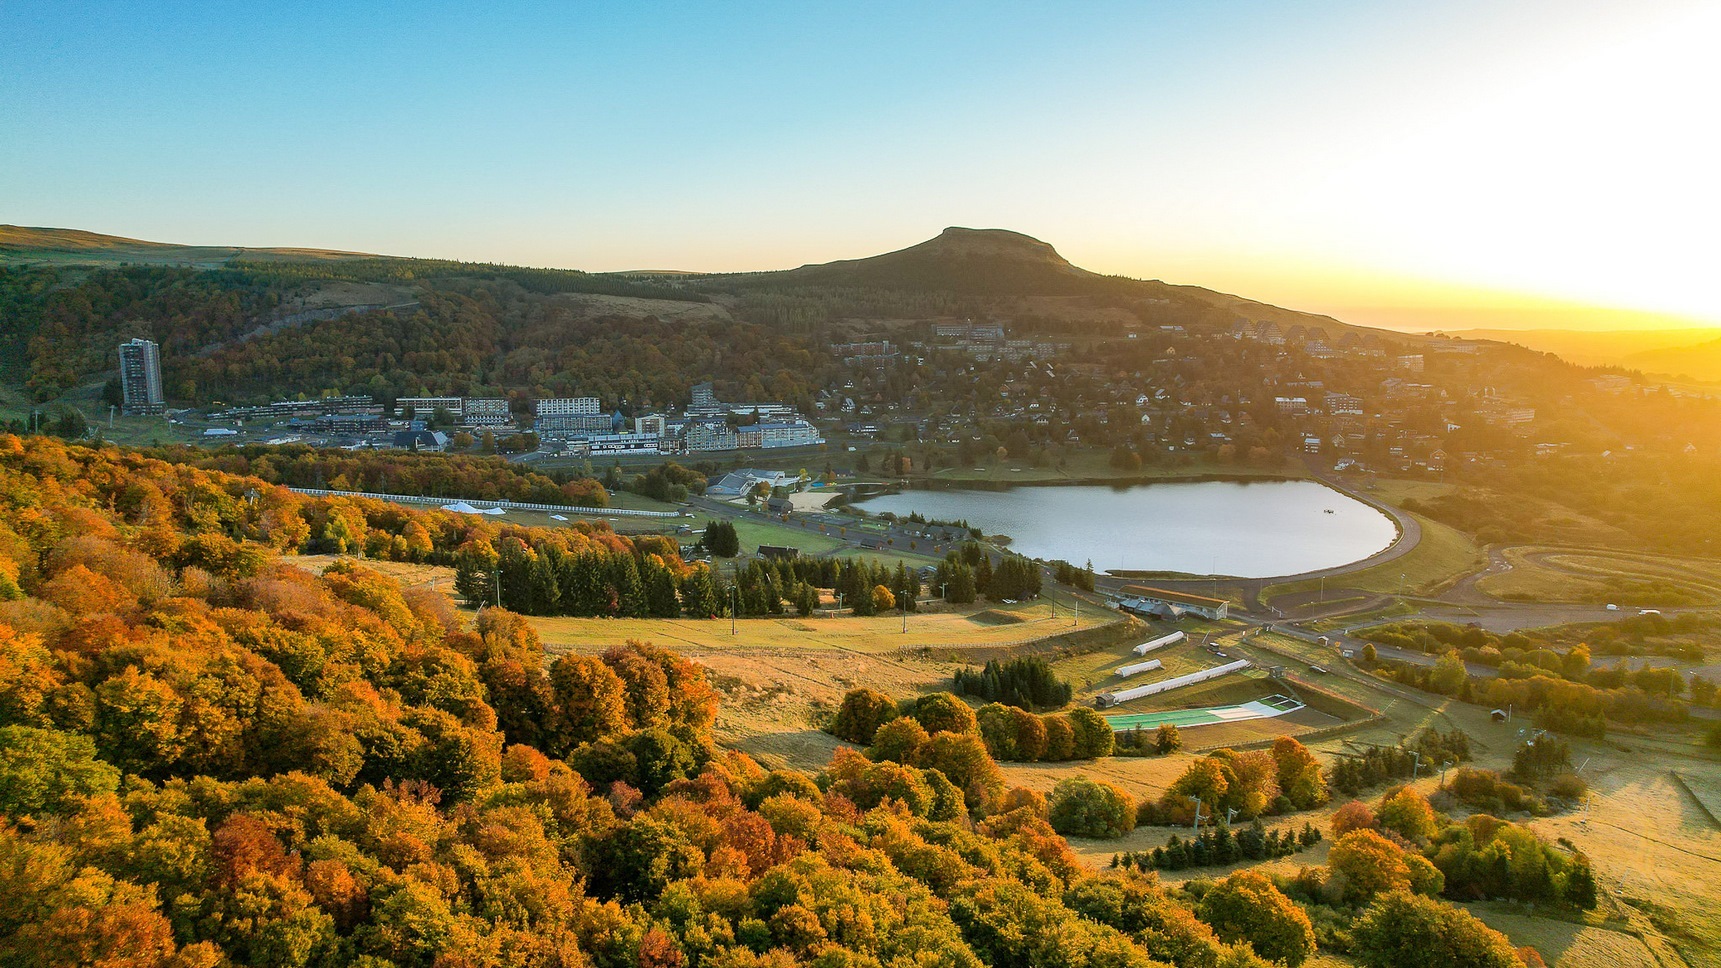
{"x":734,"y":603}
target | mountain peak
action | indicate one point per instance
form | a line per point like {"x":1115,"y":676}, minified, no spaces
{"x":958,"y":259}
{"x":993,"y":243}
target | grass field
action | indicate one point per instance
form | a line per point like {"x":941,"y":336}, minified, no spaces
{"x":1565,"y":944}
{"x":436,"y":576}
{"x":754,"y":532}
{"x":1543,"y":574}
{"x":876,"y":634}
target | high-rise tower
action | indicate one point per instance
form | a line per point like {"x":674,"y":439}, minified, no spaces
{"x":140,"y":376}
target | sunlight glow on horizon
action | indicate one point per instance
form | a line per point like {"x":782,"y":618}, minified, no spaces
{"x":1420,"y":167}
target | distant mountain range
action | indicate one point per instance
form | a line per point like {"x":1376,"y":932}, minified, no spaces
{"x":1006,"y":270}
{"x":1693,"y":353}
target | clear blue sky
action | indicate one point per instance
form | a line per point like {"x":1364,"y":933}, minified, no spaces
{"x":1347,"y":156}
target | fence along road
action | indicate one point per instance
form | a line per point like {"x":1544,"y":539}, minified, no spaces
{"x":474,"y":502}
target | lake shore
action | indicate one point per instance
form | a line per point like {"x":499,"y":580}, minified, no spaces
{"x":1249,"y":528}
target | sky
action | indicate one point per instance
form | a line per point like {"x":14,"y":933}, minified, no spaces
{"x":1436,"y":165}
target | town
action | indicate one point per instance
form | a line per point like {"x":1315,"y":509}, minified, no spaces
{"x":956,"y":394}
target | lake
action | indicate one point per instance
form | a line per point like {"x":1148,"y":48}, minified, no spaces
{"x":1249,"y":530}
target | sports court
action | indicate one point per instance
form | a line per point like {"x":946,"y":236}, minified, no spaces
{"x":1185,"y":718}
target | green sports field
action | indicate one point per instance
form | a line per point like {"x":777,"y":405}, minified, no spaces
{"x":1184,"y":718}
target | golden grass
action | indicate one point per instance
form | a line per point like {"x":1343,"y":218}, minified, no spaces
{"x":1563,"y":944}
{"x":438,"y":577}
{"x":1547,"y":574}
{"x":874,"y":634}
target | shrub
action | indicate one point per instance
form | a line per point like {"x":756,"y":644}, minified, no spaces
{"x":942,"y":712}
{"x":1092,"y":736}
{"x":1168,"y":739}
{"x":898,"y":741}
{"x":1355,"y":815}
{"x":1403,"y":930}
{"x":1247,"y":907}
{"x":1080,"y":807}
{"x":1367,"y":864}
{"x":963,"y":759}
{"x":863,"y":711}
{"x":1406,"y":812}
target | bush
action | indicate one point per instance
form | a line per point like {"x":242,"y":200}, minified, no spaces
{"x":1355,"y":815}
{"x":1247,"y":907}
{"x":1402,"y":930}
{"x":1366,"y":864}
{"x":1168,"y":740}
{"x":898,"y":741}
{"x":942,"y":712}
{"x":962,"y":757}
{"x":1092,"y":737}
{"x":1406,"y":812}
{"x":863,"y":711}
{"x":1080,"y":807}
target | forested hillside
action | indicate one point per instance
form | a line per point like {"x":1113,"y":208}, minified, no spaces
{"x":210,"y":756}
{"x":479,"y":330}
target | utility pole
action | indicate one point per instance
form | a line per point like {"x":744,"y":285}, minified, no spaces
{"x":734,"y":605}
{"x":1195,"y":828}
{"x":498,"y":584}
{"x":1416,"y":767}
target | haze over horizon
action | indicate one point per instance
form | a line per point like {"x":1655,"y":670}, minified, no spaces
{"x":1501,"y":165}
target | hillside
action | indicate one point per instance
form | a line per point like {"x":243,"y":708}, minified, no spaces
{"x":987,"y":262}
{"x":28,"y":244}
{"x":1009,"y":273}
{"x":1619,"y":347}
{"x":1701,"y":361}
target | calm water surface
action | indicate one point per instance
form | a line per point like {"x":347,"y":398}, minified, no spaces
{"x":1252,"y":530}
